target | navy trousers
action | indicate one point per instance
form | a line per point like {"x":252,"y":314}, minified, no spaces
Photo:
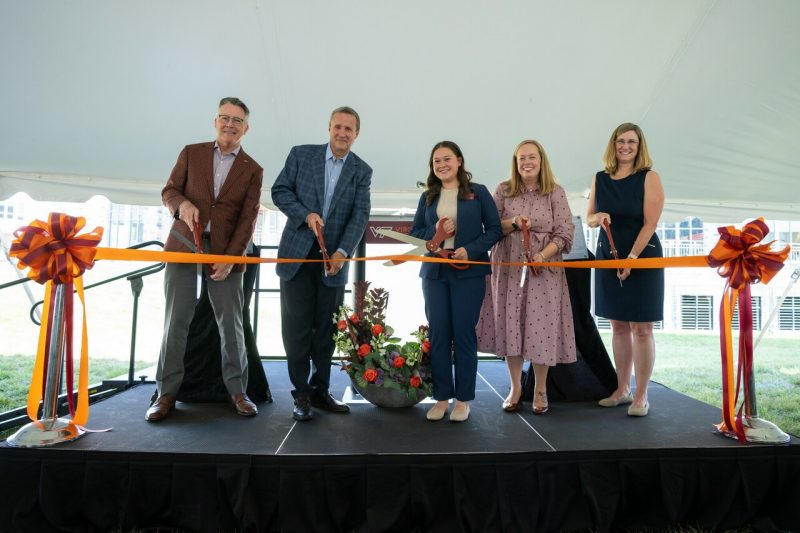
{"x":453,"y":306}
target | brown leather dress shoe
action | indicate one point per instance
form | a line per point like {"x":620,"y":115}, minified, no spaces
{"x":243,"y":405}
{"x":160,"y":408}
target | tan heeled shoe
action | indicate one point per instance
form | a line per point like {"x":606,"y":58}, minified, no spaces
{"x":511,"y":407}
{"x":537,"y":410}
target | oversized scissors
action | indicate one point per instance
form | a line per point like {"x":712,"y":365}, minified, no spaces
{"x":421,"y":246}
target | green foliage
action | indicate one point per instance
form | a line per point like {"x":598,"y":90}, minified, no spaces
{"x":371,"y":355}
{"x":16,"y":372}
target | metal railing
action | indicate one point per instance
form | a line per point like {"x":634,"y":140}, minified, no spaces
{"x":135,"y":279}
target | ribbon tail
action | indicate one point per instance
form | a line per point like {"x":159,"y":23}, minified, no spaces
{"x":726,"y":351}
{"x":37,"y":379}
{"x":82,"y":412}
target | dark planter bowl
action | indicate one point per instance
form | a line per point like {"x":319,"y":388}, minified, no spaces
{"x":385,"y":397}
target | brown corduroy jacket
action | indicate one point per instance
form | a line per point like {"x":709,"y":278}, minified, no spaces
{"x":232,"y":214}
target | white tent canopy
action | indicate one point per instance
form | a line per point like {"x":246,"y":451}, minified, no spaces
{"x":100,"y":96}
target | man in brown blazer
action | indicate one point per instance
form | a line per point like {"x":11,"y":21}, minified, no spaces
{"x":214,"y":189}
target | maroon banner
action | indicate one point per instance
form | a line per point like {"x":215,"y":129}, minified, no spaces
{"x":373,"y":237}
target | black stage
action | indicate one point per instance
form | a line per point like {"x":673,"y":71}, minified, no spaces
{"x":577,"y":467}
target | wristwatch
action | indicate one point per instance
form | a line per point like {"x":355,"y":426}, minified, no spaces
{"x":514,"y":223}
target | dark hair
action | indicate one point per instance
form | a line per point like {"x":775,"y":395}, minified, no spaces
{"x":433,"y":185}
{"x":235,"y":101}
{"x":348,"y":111}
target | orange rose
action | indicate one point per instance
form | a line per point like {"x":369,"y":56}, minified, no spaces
{"x":399,"y":361}
{"x":342,"y":325}
{"x":370,"y":374}
{"x":354,"y":318}
{"x":377,"y":329}
{"x":426,"y":346}
{"x":364,"y":349}
{"x":415,"y":381}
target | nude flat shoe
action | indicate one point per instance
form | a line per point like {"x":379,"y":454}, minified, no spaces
{"x":609,"y":402}
{"x":437,"y":412}
{"x":639,"y":411}
{"x":460,"y":414}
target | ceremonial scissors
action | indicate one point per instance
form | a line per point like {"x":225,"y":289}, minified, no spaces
{"x":421,"y":245}
{"x":196,"y":247}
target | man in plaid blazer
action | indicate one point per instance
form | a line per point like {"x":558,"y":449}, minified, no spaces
{"x":321,"y":186}
{"x":214,"y":189}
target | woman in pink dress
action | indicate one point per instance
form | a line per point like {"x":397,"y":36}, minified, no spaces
{"x":529,"y":318}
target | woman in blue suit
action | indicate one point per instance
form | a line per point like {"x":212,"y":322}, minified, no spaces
{"x":453,"y":297}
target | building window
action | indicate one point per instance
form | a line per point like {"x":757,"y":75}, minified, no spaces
{"x":789,"y":315}
{"x":696,"y":312}
{"x":756,"y":305}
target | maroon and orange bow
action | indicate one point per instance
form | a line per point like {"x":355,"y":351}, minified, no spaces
{"x":741,"y":260}
{"x":53,"y":250}
{"x":57,"y":254}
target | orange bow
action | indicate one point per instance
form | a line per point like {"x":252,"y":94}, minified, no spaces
{"x":53,"y":250}
{"x":738,"y":258}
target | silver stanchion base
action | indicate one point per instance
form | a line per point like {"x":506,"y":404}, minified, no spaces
{"x":45,"y":433}
{"x":761,"y":431}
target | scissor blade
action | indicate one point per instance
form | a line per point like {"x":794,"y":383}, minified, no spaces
{"x":419,"y":250}
{"x":402,"y":237}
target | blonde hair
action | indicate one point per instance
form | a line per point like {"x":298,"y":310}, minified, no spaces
{"x":547,"y":180}
{"x":642,"y":161}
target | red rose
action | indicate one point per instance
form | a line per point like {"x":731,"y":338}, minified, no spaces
{"x":399,"y":361}
{"x":342,"y":325}
{"x":370,"y":374}
{"x":364,"y":349}
{"x":354,"y":318}
{"x":415,"y":381}
{"x":426,"y":346}
{"x":377,"y":329}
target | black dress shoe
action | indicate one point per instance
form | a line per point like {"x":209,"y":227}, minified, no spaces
{"x":302,"y":409}
{"x":329,"y":403}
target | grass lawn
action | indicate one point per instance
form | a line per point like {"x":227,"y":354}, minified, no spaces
{"x":15,"y":378}
{"x":690,"y":364}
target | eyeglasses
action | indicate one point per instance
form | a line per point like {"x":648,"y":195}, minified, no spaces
{"x":226,"y":119}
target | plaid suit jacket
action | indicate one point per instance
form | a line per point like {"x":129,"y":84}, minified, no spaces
{"x":300,"y":190}
{"x":232,"y":213}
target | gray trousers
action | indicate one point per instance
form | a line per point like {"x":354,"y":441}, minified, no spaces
{"x":227,"y":299}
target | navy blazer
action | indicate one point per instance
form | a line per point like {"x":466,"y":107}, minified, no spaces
{"x":477,"y":230}
{"x":300,"y":190}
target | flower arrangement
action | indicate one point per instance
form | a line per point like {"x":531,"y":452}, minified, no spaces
{"x":372,"y":356}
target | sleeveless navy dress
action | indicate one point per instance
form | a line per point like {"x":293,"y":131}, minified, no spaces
{"x":641,"y":296}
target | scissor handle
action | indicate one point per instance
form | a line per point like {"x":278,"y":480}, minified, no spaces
{"x":448,"y":254}
{"x":435,"y":243}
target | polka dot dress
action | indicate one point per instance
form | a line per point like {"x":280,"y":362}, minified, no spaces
{"x":534,"y":320}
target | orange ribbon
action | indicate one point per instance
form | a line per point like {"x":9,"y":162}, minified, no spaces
{"x":57,"y":254}
{"x":738,"y":258}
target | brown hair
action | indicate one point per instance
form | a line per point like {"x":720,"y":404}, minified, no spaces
{"x":433,"y":185}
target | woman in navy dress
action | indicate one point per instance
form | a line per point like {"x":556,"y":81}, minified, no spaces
{"x":453,"y":297}
{"x":629,"y":197}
